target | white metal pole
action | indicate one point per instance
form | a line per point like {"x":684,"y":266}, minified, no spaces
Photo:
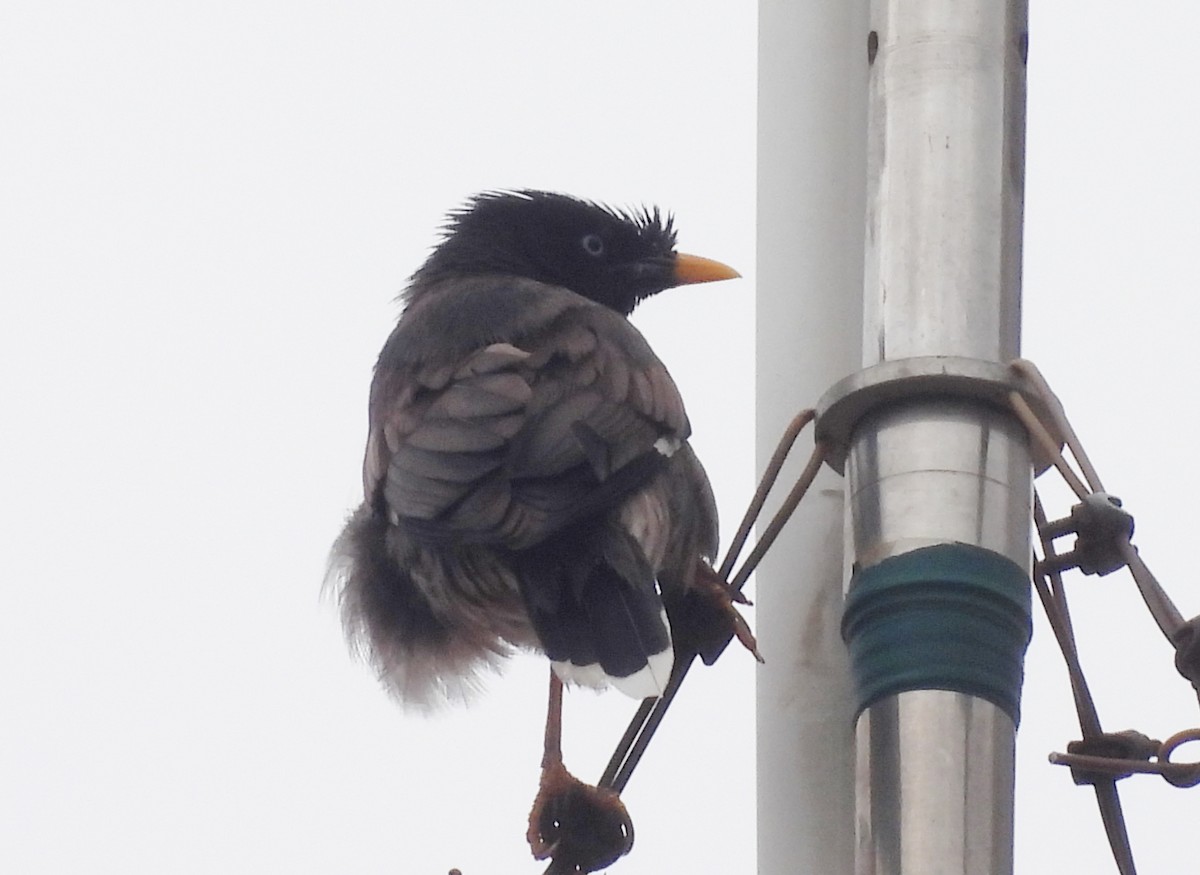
{"x":811,"y":185}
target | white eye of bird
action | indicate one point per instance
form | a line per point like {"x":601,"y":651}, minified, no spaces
{"x":593,"y":245}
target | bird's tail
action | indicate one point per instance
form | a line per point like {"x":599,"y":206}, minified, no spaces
{"x":422,"y":659}
{"x":597,"y":612}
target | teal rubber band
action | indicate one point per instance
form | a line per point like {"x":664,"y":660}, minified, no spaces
{"x":948,"y":617}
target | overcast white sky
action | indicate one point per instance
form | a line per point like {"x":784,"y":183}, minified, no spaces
{"x":206,"y":212}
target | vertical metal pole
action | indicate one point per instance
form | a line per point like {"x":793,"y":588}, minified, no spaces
{"x":811,"y":188}
{"x":942,"y":278}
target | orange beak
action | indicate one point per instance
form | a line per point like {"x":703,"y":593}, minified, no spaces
{"x":694,"y":269}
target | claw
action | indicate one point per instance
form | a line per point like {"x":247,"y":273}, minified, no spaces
{"x":583,"y":828}
{"x":736,"y":595}
{"x":741,"y":629}
{"x":704,"y":619}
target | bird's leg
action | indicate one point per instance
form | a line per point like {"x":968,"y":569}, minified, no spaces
{"x":583,"y":828}
{"x":704,"y":619}
{"x":552,"y":747}
{"x":554,"y":779}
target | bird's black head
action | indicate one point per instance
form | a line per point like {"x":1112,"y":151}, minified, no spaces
{"x":613,"y":257}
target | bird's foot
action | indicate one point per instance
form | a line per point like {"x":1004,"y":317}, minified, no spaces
{"x":705,"y":619}
{"x":581,"y":827}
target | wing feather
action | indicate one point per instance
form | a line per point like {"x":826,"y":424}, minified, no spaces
{"x":507,"y":439}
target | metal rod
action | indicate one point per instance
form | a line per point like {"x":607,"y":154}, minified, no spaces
{"x":1057,"y":613}
{"x":945,"y":184}
{"x":650,"y":713}
{"x":770,"y":475}
{"x":775,"y":526}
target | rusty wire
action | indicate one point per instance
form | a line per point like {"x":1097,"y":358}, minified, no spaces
{"x":1101,"y":771}
{"x":650,"y":713}
{"x":1103,"y":764}
{"x":1033,"y":376}
{"x":1178,"y":774}
{"x":1054,"y":601}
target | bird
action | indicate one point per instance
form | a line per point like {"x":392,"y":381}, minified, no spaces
{"x":528,"y":478}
